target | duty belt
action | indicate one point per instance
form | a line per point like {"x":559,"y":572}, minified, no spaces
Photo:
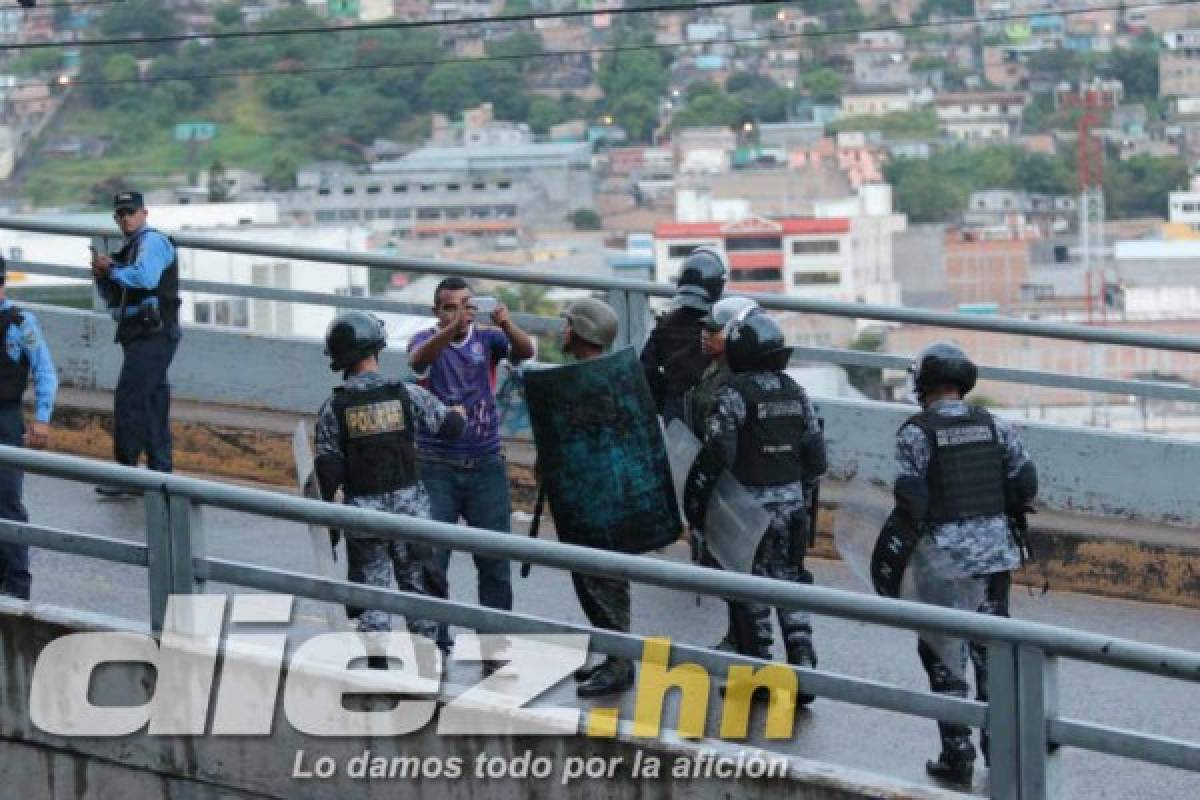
{"x":465,"y":462}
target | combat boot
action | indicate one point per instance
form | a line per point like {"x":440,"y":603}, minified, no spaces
{"x":952,"y":769}
{"x":800,"y":653}
{"x":586,"y":671}
{"x":614,"y":675}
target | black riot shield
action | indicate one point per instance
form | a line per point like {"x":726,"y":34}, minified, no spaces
{"x":601,"y":454}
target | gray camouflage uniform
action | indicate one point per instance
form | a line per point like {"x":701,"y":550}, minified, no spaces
{"x":375,"y":561}
{"x":780,"y":554}
{"x":964,"y":565}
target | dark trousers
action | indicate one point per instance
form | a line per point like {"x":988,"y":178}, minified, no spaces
{"x":15,"y":579}
{"x":477,"y":491}
{"x":142,"y":402}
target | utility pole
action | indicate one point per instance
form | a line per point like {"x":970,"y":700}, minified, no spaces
{"x":1091,"y":220}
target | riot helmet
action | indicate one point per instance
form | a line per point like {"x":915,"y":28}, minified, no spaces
{"x":941,"y":364}
{"x":727,"y":311}
{"x":353,"y":336}
{"x":756,"y":343}
{"x":701,"y":280}
{"x":592,"y":320}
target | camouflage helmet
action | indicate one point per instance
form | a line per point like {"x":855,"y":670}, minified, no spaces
{"x":592,"y":320}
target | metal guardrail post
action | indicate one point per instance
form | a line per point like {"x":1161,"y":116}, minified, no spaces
{"x":633,"y":315}
{"x":1004,"y":750}
{"x":187,"y":541}
{"x":158,"y":556}
{"x":1037,"y":700}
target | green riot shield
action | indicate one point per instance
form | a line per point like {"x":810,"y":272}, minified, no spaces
{"x":601,"y":454}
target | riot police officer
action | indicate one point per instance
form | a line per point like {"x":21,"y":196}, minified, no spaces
{"x":140,"y":284}
{"x":713,"y":328}
{"x":590,"y":330}
{"x":365,"y":445}
{"x":962,"y":473}
{"x":764,"y":429}
{"x":699,"y":401}
{"x":672,"y":357}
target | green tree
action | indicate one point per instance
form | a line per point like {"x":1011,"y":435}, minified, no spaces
{"x":824,"y":84}
{"x":638,"y":115}
{"x":709,"y":106}
{"x":632,"y":72}
{"x":218,"y":184}
{"x":586,"y":219}
{"x":1137,"y":69}
{"x":282,"y":175}
{"x":448,"y":89}
{"x":544,"y":113}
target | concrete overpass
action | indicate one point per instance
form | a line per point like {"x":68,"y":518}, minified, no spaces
{"x":1120,"y":516}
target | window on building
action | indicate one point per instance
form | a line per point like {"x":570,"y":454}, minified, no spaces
{"x":373,"y":189}
{"x":323,"y":191}
{"x":681,"y":250}
{"x":326,"y":216}
{"x":454,"y":213}
{"x":15,"y":253}
{"x":758,"y":274}
{"x":452,"y":187}
{"x":814,"y":246}
{"x":503,"y":184}
{"x":427,"y":187}
{"x":399,"y":188}
{"x":479,"y":186}
{"x":429,"y":213}
{"x":348,"y":213}
{"x":480,"y":212}
{"x":347,"y":190}
{"x":506,"y":212}
{"x":816,"y":278}
{"x":744,"y":243}
{"x":202,"y":313}
{"x":403,"y":213}
{"x":384,"y":213}
{"x":351,"y":291}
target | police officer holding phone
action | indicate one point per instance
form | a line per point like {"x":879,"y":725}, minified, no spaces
{"x":140,"y":284}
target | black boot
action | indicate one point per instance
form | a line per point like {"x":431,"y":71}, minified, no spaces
{"x":800,"y":653}
{"x":587,"y":671}
{"x":952,"y":769}
{"x":614,"y":675}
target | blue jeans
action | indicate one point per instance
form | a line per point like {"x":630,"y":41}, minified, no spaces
{"x":475,"y":490}
{"x":15,"y":579}
{"x":142,"y":402}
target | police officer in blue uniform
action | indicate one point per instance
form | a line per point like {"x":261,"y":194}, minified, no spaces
{"x":25,"y":354}
{"x":140,"y":284}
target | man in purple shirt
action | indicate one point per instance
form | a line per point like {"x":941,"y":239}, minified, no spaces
{"x":456,"y":361}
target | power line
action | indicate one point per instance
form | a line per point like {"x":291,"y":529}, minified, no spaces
{"x":522,"y":56}
{"x":547,"y":15}
{"x":382,"y":26}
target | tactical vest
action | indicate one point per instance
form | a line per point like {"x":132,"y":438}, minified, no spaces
{"x":769,"y":442}
{"x":14,"y":375}
{"x":378,"y":439}
{"x":700,"y":400}
{"x":167,"y":290}
{"x":966,"y":465}
{"x":678,"y":339}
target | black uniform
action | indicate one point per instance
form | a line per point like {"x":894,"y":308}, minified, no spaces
{"x":673,"y":360}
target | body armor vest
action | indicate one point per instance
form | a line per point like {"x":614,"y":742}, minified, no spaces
{"x":966,"y":466}
{"x":769,"y":451}
{"x":378,"y":439}
{"x":14,"y":375}
{"x":683,"y":362}
{"x":167,"y":291}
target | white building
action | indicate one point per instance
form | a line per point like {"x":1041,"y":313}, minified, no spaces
{"x":873,"y":226}
{"x":980,"y":116}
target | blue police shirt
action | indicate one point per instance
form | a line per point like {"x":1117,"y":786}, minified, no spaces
{"x":154,"y":254}
{"x":27,"y":338}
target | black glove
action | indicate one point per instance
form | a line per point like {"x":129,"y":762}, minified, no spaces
{"x":335,"y":536}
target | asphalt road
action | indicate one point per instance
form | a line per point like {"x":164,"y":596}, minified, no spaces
{"x":834,"y":732}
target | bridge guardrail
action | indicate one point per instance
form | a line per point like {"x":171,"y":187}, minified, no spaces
{"x":1021,"y":714}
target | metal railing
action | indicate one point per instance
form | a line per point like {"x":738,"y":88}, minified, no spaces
{"x":1021,"y":714}
{"x":631,"y":300}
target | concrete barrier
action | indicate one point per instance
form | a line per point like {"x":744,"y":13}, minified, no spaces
{"x":38,"y":766}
